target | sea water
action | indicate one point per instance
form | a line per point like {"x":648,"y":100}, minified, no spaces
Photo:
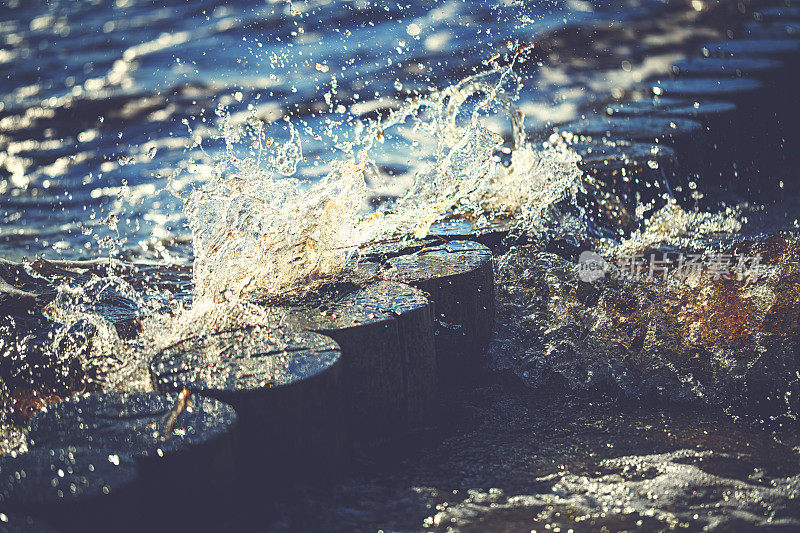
{"x":227,"y":149}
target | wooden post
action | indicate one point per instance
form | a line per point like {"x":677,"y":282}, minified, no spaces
{"x":385,"y":331}
{"x":72,"y":488}
{"x":285,"y":384}
{"x":184,"y":446}
{"x":458,"y":276}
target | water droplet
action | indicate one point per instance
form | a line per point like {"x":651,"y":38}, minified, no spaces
{"x":413,"y":29}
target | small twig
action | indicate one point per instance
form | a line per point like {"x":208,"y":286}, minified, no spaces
{"x":184,"y":402}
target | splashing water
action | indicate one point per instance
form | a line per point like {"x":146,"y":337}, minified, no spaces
{"x":276,"y":216}
{"x":682,"y":489}
{"x":257,"y":227}
{"x":539,"y":191}
{"x":255,"y":230}
{"x":674,"y":226}
{"x":692,"y":335}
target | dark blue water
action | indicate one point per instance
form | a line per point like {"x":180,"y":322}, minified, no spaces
{"x":110,"y":115}
{"x":101,"y":102}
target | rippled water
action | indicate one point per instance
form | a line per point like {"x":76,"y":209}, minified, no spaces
{"x":102,"y":102}
{"x":121,"y":124}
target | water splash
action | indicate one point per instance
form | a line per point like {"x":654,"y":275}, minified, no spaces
{"x":256,"y":228}
{"x":675,"y":226}
{"x":457,"y":120}
{"x":538,"y":190}
{"x":693,"y":335}
{"x":260,"y":229}
{"x":257,"y":231}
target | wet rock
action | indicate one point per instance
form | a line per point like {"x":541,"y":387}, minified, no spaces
{"x":19,"y":291}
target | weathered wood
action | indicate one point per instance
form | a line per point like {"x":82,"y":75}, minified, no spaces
{"x":385,"y":331}
{"x":186,"y":461}
{"x":285,"y":385}
{"x":73,"y":488}
{"x":459,"y":279}
{"x":415,"y":317}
